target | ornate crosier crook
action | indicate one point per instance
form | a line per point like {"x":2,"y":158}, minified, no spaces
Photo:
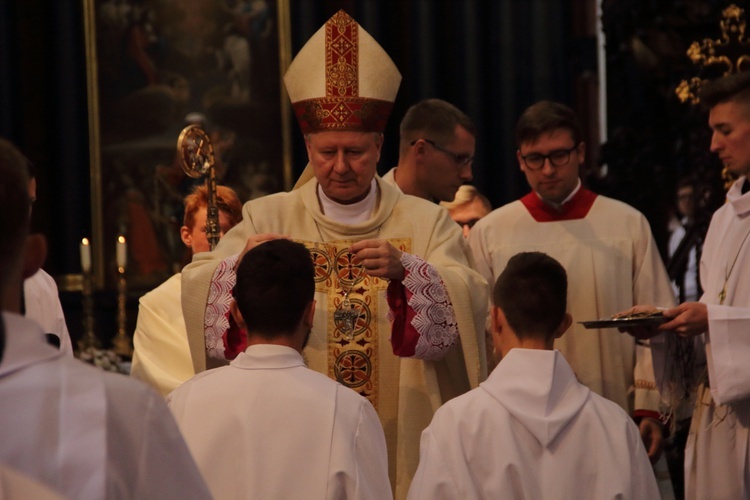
{"x":197,"y":157}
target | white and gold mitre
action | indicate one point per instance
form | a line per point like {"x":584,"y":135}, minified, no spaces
{"x":342,"y":79}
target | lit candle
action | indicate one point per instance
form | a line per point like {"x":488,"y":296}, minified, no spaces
{"x":85,"y":255}
{"x":122,"y":252}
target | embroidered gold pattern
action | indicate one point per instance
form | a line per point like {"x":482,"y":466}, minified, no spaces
{"x":350,"y":113}
{"x":354,"y":363}
{"x":342,"y":56}
{"x":716,"y":58}
{"x":644,"y":384}
{"x":342,"y":108}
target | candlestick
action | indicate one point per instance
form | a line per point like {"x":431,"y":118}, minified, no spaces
{"x":122,"y":342}
{"x":122,"y":252}
{"x":85,"y":255}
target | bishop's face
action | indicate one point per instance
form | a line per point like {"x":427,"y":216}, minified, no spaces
{"x":730,"y":122}
{"x":344,"y":162}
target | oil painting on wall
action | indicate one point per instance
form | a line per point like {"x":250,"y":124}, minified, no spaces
{"x":156,"y":66}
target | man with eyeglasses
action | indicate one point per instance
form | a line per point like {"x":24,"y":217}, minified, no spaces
{"x":605,"y":246}
{"x":436,"y":151}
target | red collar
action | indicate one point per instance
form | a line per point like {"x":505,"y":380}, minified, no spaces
{"x":575,"y":208}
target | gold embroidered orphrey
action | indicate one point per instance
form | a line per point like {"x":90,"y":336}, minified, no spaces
{"x":353,"y":329}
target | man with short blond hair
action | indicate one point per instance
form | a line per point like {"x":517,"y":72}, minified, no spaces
{"x":436,"y":151}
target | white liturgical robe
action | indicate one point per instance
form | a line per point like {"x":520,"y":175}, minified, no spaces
{"x":266,"y":426}
{"x":42,"y":303}
{"x":83,"y":432}
{"x":161,"y":354}
{"x":531,"y":430}
{"x":717,"y":456}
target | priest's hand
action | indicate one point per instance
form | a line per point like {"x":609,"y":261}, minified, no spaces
{"x":653,"y":439}
{"x":688,"y":319}
{"x":379,"y":258}
{"x":256,"y":239}
{"x":643,"y":332}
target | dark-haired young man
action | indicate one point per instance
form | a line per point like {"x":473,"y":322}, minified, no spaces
{"x":267,"y":425}
{"x":717,"y":456}
{"x":605,"y":246}
{"x":531,"y":430}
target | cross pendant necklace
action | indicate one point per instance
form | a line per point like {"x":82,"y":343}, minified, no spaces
{"x":728,"y":272}
{"x":347,"y":312}
{"x":345,"y":316}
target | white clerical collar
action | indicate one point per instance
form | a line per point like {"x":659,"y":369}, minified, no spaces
{"x":570,"y":197}
{"x":353,"y":213}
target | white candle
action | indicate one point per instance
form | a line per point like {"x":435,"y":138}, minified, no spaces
{"x":122,"y":252}
{"x":85,"y":255}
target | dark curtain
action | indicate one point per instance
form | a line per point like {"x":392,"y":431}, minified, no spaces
{"x":43,"y":111}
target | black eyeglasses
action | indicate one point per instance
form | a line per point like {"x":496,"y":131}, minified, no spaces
{"x":462,"y":160}
{"x":558,"y":158}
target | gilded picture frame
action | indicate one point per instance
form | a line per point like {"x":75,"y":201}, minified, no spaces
{"x":153,"y":67}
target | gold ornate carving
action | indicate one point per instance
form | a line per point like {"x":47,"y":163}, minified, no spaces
{"x":717,"y":58}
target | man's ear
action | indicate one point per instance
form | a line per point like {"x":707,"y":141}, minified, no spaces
{"x":379,"y":138}
{"x":520,"y":160}
{"x":497,"y":318}
{"x":581,"y":151}
{"x":237,"y":315}
{"x":186,"y":237}
{"x":310,"y":314}
{"x":308,"y":148}
{"x":564,"y":325}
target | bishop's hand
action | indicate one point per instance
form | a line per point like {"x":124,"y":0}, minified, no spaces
{"x":379,"y":258}
{"x":256,"y":239}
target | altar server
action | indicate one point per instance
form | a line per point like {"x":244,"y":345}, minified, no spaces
{"x":531,"y":430}
{"x":266,"y":426}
